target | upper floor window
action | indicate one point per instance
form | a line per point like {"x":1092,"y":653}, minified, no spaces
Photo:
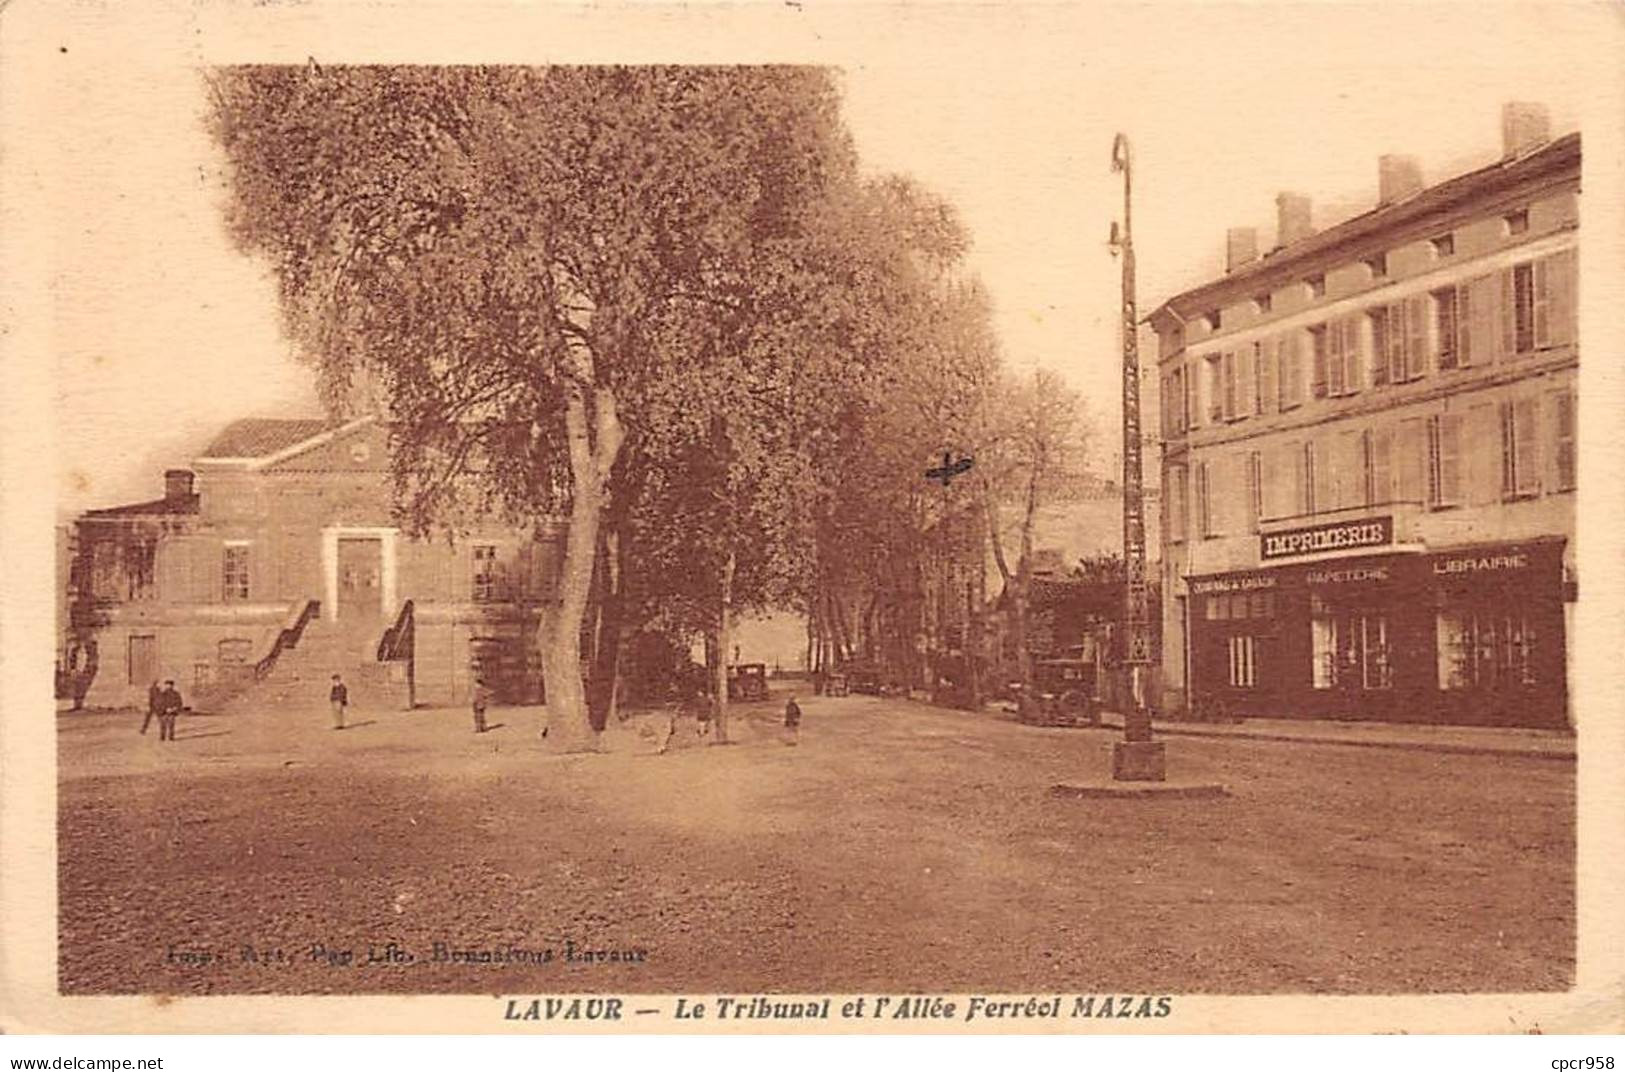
{"x":1444,"y":245}
{"x":1517,"y":222}
{"x":1215,"y":388}
{"x":1444,"y":460}
{"x":485,"y":573}
{"x":1213,"y":319}
{"x":1262,"y":302}
{"x":1204,"y":502}
{"x":234,"y":572}
{"x":1447,"y":326}
{"x":1317,"y":286}
{"x":1378,"y":265}
{"x":1178,"y":503}
{"x":1399,"y":341}
{"x":1520,"y":457}
{"x":1523,"y":308}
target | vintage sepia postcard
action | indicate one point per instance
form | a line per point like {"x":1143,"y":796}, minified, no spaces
{"x":793,"y":518}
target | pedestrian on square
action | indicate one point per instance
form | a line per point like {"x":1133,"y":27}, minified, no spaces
{"x":481,"y":699}
{"x":339,"y":697}
{"x":792,"y":720}
{"x":155,"y":701}
{"x":169,"y":708}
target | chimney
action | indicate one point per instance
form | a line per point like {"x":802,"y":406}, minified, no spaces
{"x":1525,"y":125}
{"x":1240,"y":247}
{"x":1292,"y":215}
{"x":1398,"y":177}
{"x":177,"y":483}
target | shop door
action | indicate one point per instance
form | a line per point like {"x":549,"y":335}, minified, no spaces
{"x":1353,"y":661}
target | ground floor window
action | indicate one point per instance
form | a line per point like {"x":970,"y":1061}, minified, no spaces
{"x":1243,"y":667}
{"x":1485,"y":648}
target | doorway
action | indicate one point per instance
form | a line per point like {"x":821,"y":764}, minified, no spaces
{"x":143,"y":661}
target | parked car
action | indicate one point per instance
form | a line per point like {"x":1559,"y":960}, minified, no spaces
{"x":1062,"y":694}
{"x":748,"y":681}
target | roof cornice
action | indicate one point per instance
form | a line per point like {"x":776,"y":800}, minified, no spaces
{"x":1558,"y":160}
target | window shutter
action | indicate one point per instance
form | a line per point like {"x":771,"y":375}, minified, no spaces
{"x":1255,"y":490}
{"x":1444,"y":470}
{"x":1379,"y":466}
{"x":1228,"y":372}
{"x":1508,"y":308}
{"x":1464,"y":322}
{"x":1331,"y":370}
{"x":1527,"y":445}
{"x":1561,"y":305}
{"x":1325,"y":464}
{"x":1320,"y":341}
{"x":1435,"y":485}
{"x":1483,"y":324}
{"x":1478,"y":455}
{"x":1541,"y":301}
{"x":1255,"y":381}
{"x":1563,"y":438}
{"x":1354,"y":478}
{"x":1416,"y":337}
{"x":1300,"y":480}
{"x":1352,"y":374}
{"x":1413,"y":461}
{"x":1268,"y":380}
{"x":1395,"y":357}
{"x":1509,"y":464}
{"x":1450,"y":457}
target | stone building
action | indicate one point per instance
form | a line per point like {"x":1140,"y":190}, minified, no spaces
{"x":1369,"y":462}
{"x":276,"y":561}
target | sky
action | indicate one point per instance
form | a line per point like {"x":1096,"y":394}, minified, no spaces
{"x":159,"y":331}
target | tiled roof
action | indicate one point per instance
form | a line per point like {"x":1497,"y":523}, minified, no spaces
{"x":184,"y":504}
{"x":259,"y":437}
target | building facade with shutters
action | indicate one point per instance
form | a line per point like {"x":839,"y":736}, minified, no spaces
{"x":277,"y":554}
{"x":1369,"y":462}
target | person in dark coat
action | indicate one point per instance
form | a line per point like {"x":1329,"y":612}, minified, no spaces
{"x":792,"y":720}
{"x":169,"y":709}
{"x":339,"y":697}
{"x":155,"y":701}
{"x":481,"y":699}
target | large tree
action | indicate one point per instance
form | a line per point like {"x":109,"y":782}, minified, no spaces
{"x":549,"y":273}
{"x":1034,"y":436}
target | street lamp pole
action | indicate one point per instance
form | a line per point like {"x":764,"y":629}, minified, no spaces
{"x":1137,"y":757}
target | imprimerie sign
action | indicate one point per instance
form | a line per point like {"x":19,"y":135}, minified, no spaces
{"x":1336,"y":536}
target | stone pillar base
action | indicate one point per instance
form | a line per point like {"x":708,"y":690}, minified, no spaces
{"x":1139,"y":761}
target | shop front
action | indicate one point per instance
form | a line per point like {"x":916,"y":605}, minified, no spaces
{"x":1473,"y":635}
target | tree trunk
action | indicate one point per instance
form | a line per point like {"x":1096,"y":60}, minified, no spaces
{"x":594,"y":441}
{"x":606,"y":667}
{"x":1024,"y":573}
{"x":725,"y":636}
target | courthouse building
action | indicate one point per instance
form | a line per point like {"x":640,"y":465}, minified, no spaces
{"x":275,"y":561}
{"x":1369,"y":453}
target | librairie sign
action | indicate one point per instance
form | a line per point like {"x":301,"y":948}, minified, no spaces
{"x":1336,"y":536}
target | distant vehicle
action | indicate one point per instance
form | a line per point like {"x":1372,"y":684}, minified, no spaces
{"x":748,"y":681}
{"x":865,"y":679}
{"x":1062,"y":694}
{"x":836,"y":685}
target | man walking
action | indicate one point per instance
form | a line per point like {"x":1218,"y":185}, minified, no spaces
{"x":155,"y":700}
{"x":169,"y":708}
{"x":339,"y":697}
{"x":481,"y":700}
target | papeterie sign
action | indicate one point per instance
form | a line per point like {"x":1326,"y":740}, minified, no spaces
{"x":1336,"y":536}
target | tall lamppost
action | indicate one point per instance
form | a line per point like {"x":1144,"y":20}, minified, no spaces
{"x":1136,"y":757}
